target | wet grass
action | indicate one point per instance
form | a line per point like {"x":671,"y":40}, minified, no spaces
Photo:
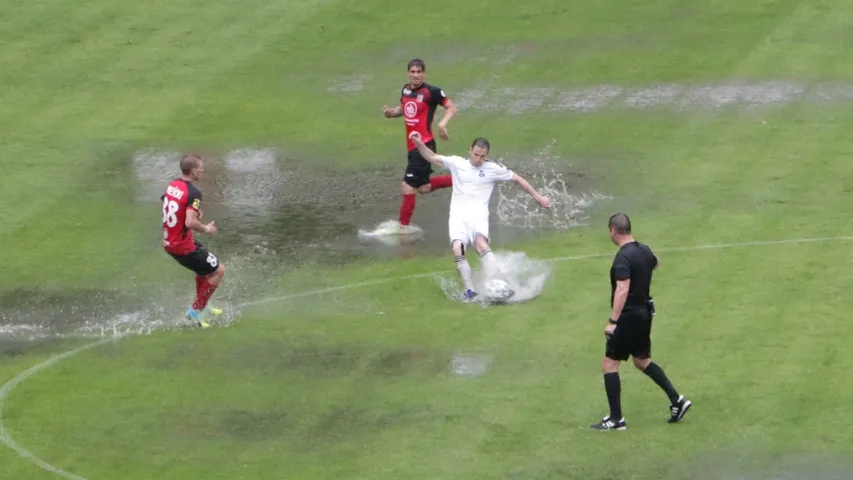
{"x":330,"y":377}
{"x":359,"y":383}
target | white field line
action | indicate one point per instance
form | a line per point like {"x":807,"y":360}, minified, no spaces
{"x":7,"y":439}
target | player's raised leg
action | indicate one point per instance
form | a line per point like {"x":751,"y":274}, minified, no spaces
{"x":437,"y":183}
{"x":491,"y":267}
{"x":480,"y":227}
{"x":490,"y":263}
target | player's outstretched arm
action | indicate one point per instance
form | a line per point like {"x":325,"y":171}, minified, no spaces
{"x":425,"y":152}
{"x":527,"y":187}
{"x":195,"y":224}
{"x":392,"y":112}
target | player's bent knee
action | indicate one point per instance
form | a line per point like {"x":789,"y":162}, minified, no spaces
{"x":425,"y":189}
{"x":642,"y":363}
{"x":609,"y":365}
{"x":408,"y":189}
{"x":482,"y":243}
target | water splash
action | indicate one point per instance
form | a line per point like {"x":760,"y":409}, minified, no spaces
{"x":525,"y":276}
{"x":391,"y":233}
{"x":470,"y":365}
{"x":139,"y":311}
{"x":569,"y":204}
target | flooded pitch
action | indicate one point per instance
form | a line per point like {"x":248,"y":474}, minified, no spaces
{"x":275,"y":213}
{"x":260,"y":198}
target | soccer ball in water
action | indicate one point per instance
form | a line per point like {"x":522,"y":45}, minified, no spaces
{"x":497,"y":290}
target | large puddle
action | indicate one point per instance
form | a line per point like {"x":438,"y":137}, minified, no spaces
{"x":274,"y":213}
{"x":262,"y":199}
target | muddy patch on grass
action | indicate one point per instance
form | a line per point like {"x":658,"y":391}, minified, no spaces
{"x":492,"y":97}
{"x":674,"y":97}
{"x":436,"y":58}
{"x":237,"y":424}
{"x":406,"y":361}
{"x":255,"y":425}
{"x":271,"y":357}
{"x":352,"y":84}
{"x":268,"y":199}
{"x":324,"y":360}
{"x":353,"y":420}
{"x":320,"y":360}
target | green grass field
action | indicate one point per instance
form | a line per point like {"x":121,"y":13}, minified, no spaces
{"x":712,"y":123}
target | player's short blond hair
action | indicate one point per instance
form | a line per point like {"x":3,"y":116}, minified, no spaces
{"x":189,"y":162}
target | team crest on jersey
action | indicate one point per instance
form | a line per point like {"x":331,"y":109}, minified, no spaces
{"x":420,"y":98}
{"x":196,"y":203}
{"x":410,"y":109}
{"x":482,"y":174}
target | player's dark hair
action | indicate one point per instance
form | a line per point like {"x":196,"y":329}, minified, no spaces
{"x":416,"y":62}
{"x":482,"y":143}
{"x":620,"y":223}
{"x":188,"y":163}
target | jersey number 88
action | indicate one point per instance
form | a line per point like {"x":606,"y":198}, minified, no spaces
{"x":170,"y":210}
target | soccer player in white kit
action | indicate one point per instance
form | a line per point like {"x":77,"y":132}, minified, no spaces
{"x":474,"y":179}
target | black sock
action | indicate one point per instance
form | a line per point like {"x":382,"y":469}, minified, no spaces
{"x":656,"y":373}
{"x":614,"y":392}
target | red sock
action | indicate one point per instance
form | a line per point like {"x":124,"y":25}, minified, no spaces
{"x":204,"y":295}
{"x":443,"y":181}
{"x":199,"y":282}
{"x":407,"y":208}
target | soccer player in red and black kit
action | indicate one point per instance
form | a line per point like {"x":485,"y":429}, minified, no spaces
{"x":181,"y":216}
{"x":418,"y":101}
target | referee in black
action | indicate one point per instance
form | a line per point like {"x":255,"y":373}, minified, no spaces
{"x":629,"y":330}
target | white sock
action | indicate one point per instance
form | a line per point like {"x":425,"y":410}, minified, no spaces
{"x":464,"y":271}
{"x":490,"y":263}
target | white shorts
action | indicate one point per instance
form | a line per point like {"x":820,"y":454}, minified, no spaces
{"x":465,"y":227}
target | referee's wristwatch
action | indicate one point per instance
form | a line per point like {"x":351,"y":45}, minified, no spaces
{"x":612,"y":322}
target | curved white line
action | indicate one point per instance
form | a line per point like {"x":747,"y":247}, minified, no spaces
{"x":7,"y":388}
{"x":6,"y":438}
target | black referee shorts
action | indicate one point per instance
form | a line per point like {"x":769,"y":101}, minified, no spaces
{"x":632,"y":337}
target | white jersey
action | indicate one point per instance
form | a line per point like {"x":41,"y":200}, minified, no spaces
{"x":472,"y":186}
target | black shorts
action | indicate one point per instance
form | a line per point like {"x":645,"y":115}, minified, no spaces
{"x":418,"y":170}
{"x":199,"y":261}
{"x":632,"y":337}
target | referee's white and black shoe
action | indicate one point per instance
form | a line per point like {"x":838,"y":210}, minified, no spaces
{"x":678,"y":409}
{"x":607,"y":424}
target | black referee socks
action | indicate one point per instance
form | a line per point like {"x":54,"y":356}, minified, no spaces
{"x":656,"y":373}
{"x":613,"y":387}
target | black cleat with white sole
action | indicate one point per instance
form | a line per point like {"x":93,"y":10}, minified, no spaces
{"x":678,"y":409}
{"x":607,"y":424}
